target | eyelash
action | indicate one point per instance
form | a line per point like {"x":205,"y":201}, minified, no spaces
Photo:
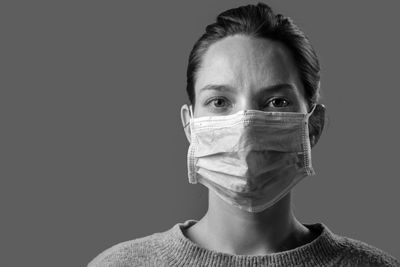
{"x":216,"y":98}
{"x":279,"y":98}
{"x":208,"y":102}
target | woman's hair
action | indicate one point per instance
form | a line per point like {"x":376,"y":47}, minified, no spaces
{"x":259,"y":21}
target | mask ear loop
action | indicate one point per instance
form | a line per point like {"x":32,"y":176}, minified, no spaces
{"x":191,"y":151}
{"x":311,"y":111}
{"x":191,"y":116}
{"x":306,"y":143}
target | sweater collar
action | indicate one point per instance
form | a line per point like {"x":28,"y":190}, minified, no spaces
{"x":178,"y":250}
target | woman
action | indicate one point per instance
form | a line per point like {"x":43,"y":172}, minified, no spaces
{"x":253,"y":84}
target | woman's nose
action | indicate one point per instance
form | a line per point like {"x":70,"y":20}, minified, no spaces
{"x":248,"y":104}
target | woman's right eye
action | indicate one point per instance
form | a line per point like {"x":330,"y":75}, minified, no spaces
{"x":218,"y":102}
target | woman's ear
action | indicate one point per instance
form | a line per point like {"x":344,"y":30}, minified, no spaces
{"x":316,"y":124}
{"x":185,"y":117}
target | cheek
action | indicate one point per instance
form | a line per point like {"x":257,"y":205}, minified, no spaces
{"x":199,"y":110}
{"x":302,"y":103}
{"x":303,"y":106}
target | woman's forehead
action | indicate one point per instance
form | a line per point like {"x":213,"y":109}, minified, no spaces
{"x":247,"y":63}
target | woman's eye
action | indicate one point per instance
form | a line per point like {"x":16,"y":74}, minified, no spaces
{"x":219,"y":102}
{"x":278,"y":103}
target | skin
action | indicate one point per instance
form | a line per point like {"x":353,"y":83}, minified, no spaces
{"x":241,"y":73}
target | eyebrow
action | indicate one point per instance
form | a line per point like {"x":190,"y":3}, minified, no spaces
{"x":224,"y":87}
{"x":215,"y":87}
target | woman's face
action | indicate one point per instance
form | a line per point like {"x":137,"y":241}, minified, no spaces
{"x":242,"y":72}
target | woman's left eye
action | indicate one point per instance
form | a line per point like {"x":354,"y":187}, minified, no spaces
{"x":278,"y":103}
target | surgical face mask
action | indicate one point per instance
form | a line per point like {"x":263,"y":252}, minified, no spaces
{"x":250,"y":159}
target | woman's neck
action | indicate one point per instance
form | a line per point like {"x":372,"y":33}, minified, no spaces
{"x":227,"y":229}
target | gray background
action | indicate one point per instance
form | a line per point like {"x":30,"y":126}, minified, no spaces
{"x":92,"y":148}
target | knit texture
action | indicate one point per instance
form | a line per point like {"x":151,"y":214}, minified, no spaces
{"x":173,"y":248}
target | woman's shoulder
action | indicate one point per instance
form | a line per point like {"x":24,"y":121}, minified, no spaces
{"x":136,"y":251}
{"x":359,"y":253}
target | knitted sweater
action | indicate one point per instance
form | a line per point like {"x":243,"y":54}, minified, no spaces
{"x":173,"y":248}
